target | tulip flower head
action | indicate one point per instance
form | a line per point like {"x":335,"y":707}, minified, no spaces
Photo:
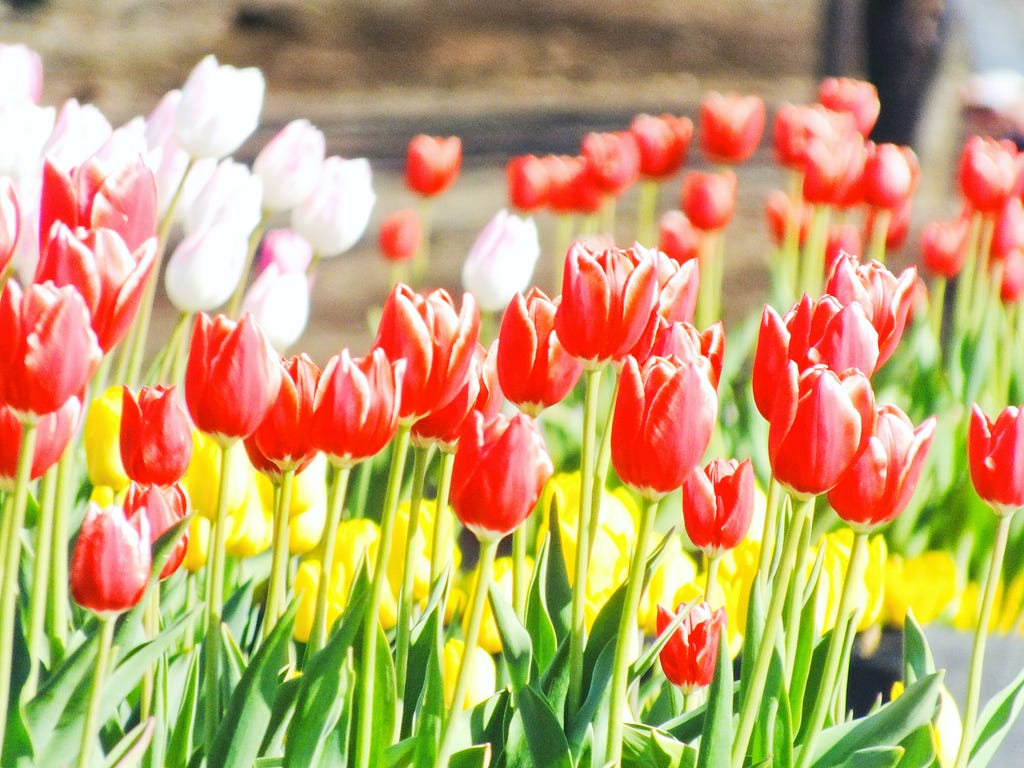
{"x":289,"y":165}
{"x":663,"y":143}
{"x":219,"y":108}
{"x":111,"y":561}
{"x":156,"y":436}
{"x":988,"y":173}
{"x":401,"y":235}
{"x":890,"y":175}
{"x":677,"y":237}
{"x":163,"y":508}
{"x":718,"y":504}
{"x":944,"y":246}
{"x":284,"y":439}
{"x":731,"y":126}
{"x":613,"y":160}
{"x":688,"y":658}
{"x":432,"y":164}
{"x":995,"y":450}
{"x":21,"y":74}
{"x":334,"y":215}
{"x":709,"y":199}
{"x":54,"y":431}
{"x":528,"y":182}
{"x":501,"y":261}
{"x":857,"y":98}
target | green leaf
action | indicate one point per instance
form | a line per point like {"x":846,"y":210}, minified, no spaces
{"x":237,"y":613}
{"x":516,"y":648}
{"x":538,"y":622}
{"x":477,"y":756}
{"x":425,"y":642}
{"x":917,"y":655}
{"x":557,"y":592}
{"x":716,"y":736}
{"x":541,"y":740}
{"x":182,"y":736}
{"x":875,"y":757}
{"x":252,"y":702}
{"x":918,"y":749}
{"x":600,"y":680}
{"x":384,"y":700}
{"x":782,"y":741}
{"x":995,"y":722}
{"x":132,"y":747}
{"x":280,"y":716}
{"x":488,"y":720}
{"x":401,"y":754}
{"x":647,"y":747}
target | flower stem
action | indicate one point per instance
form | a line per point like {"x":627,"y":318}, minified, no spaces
{"x":99,"y":677}
{"x":577,"y":628}
{"x":254,"y":240}
{"x":339,"y":487}
{"x":57,"y":614}
{"x":276,"y":594}
{"x":771,"y":520}
{"x":476,"y":612}
{"x":421,"y":457}
{"x":444,"y":487}
{"x":879,"y":233}
{"x":712,"y":589}
{"x":10,"y":547}
{"x":604,"y":456}
{"x":837,"y":642}
{"x":646,"y":210}
{"x":379,"y":579}
{"x":773,"y":623}
{"x":980,"y":635}
{"x":40,"y":573}
{"x":171,"y":350}
{"x":520,"y":574}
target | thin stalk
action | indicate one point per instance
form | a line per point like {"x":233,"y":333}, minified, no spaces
{"x":980,"y":635}
{"x":421,"y":457}
{"x":879,"y":232}
{"x":363,"y":485}
{"x":795,"y":601}
{"x":787,"y":274}
{"x":607,"y":215}
{"x":444,"y":487}
{"x":577,"y":629}
{"x":277,"y":592}
{"x":773,"y":623}
{"x":380,"y":583}
{"x":150,"y":628}
{"x":254,"y":240}
{"x":814,"y":251}
{"x":965,"y":281}
{"x":604,"y":456}
{"x":709,"y":285}
{"x":40,"y":572}
{"x":520,"y":573}
{"x":476,"y":612}
{"x":712,"y":589}
{"x":826,"y":690}
{"x":935,"y":310}
{"x":11,"y":548}
{"x":339,"y":487}
{"x":771,"y":519}
{"x":171,"y":350}
{"x":99,"y":677}
{"x":646,"y":210}
{"x":626,"y":640}
{"x":57,"y":615}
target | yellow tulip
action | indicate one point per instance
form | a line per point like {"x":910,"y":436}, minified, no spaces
{"x":102,"y":437}
{"x":675,"y":570}
{"x":736,"y":573}
{"x":202,"y":480}
{"x":501,"y":582}
{"x":868,"y":595}
{"x":357,"y":541}
{"x":927,"y":583}
{"x":420,"y":556}
{"x":250,"y":528}
{"x":307,"y":580}
{"x":483,"y":675}
{"x":309,"y":488}
{"x":946,"y":727}
{"x":306,"y":530}
{"x":198,"y":543}
{"x":966,"y":616}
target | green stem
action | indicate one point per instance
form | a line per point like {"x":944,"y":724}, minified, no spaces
{"x":834,"y":658}
{"x":171,"y":350}
{"x":787,"y":274}
{"x":485,"y":569}
{"x":58,"y":621}
{"x":363,"y":485}
{"x":646,"y":211}
{"x":339,"y":487}
{"x":218,"y":536}
{"x":879,"y":234}
{"x":607,"y":215}
{"x":254,"y":240}
{"x":380,"y":583}
{"x":712,"y":589}
{"x":814,"y":251}
{"x":986,"y":281}
{"x":795,"y":601}
{"x":40,"y":572}
{"x":444,"y":487}
{"x":421,"y":457}
{"x":520,"y":573}
{"x":773,"y":623}
{"x":771,"y":520}
{"x":277,"y":592}
{"x":11,"y":548}
{"x":965,"y":281}
{"x":626,"y":639}
{"x":980,"y":635}
{"x":577,"y":630}
{"x":150,"y":628}
{"x":99,"y":677}
{"x":935,"y":310}
{"x":604,"y":456}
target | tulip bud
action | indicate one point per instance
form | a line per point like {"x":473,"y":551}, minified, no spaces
{"x":709,"y":199}
{"x":162,"y":508}
{"x":730,"y":126}
{"x":219,"y":109}
{"x":111,"y":562}
{"x":101,"y":435}
{"x":289,"y":165}
{"x":996,"y":454}
{"x":688,"y":658}
{"x":528,"y":182}
{"x":401,"y":235}
{"x":156,"y":437}
{"x":79,"y":131}
{"x":205,"y":268}
{"x":432,"y":164}
{"x":613,"y":160}
{"x":677,"y":237}
{"x":718,"y":504}
{"x":53,"y":433}
{"x":890,"y":175}
{"x":284,"y":439}
{"x":334,"y":215}
{"x":944,"y":246}
{"x":857,"y":98}
{"x":663,"y":143}
{"x":988,"y":173}
{"x":21,"y":74}
{"x":232,"y":196}
{"x":501,"y":261}
{"x":279,"y":302}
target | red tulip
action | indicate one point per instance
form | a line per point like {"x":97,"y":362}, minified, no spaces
{"x":529,"y":183}
{"x":718,"y":504}
{"x":886,"y":299}
{"x":780,"y":209}
{"x":534,"y":369}
{"x":401,"y":235}
{"x":858,"y":98}
{"x":833,"y":169}
{"x":284,"y":439}
{"x":820,"y":423}
{"x":48,"y":351}
{"x":232,"y":377}
{"x":663,"y":142}
{"x":795,"y":126}
{"x":432,"y":164}
{"x":677,"y":298}
{"x":988,"y":173}
{"x":663,"y":419}
{"x":10,"y":223}
{"x":681,"y":340}
{"x":1008,"y":234}
{"x":688,"y":658}
{"x":111,"y":562}
{"x":890,"y":175}
{"x":709,"y":199}
{"x":878,"y":486}
{"x":995,"y":451}
{"x":355,"y":408}
{"x":436,"y":341}
{"x":843,"y":238}
{"x":944,"y":246}
{"x":163,"y":508}
{"x":156,"y":436}
{"x":53,"y":433}
{"x":1011,"y":287}
{"x":613,"y":160}
{"x":730,"y":126}
{"x":677,"y":237}
{"x":500,"y":468}
{"x":898,"y":226}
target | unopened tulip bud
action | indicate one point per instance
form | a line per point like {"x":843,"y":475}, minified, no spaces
{"x":219,"y":109}
{"x":111,"y":562}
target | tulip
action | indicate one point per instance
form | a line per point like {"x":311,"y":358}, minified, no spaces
{"x":111,"y":561}
{"x":279,"y":302}
{"x":219,"y":109}
{"x":613,"y":160}
{"x":878,"y":485}
{"x":205,"y":268}
{"x":356,"y":406}
{"x":401,"y":235}
{"x":988,"y":172}
{"x":156,"y":437}
{"x":285,"y":249}
{"x":663,"y":142}
{"x":232,"y":196}
{"x":730,"y":126}
{"x":607,"y":300}
{"x":662,"y":423}
{"x":163,"y":508}
{"x":833,"y":169}
{"x":284,"y":439}
{"x":202,"y":481}
{"x":528,"y":182}
{"x":334,"y":215}
{"x":718,"y":504}
{"x":501,"y":261}
{"x":890,"y":175}
{"x":500,"y":468}
{"x":780,"y":210}
{"x":1011,"y":287}
{"x":684,"y":342}
{"x":534,"y":370}
{"x":432,"y":164}
{"x":677,"y":237}
{"x":688,"y":658}
{"x":101,"y":435}
{"x":820,"y":423}
{"x":483,"y":680}
{"x":944,"y":246}
{"x":21,"y":74}
{"x":996,"y":454}
{"x":709,"y":199}
{"x":79,"y":131}
{"x":1008,"y":234}
{"x":48,"y":352}
{"x":797,"y":124}
{"x":54,"y":431}
{"x":289,"y":164}
{"x":857,"y":98}
{"x":231,"y":379}
{"x":436,"y":341}
{"x":109,"y":277}
{"x":843,"y":238}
